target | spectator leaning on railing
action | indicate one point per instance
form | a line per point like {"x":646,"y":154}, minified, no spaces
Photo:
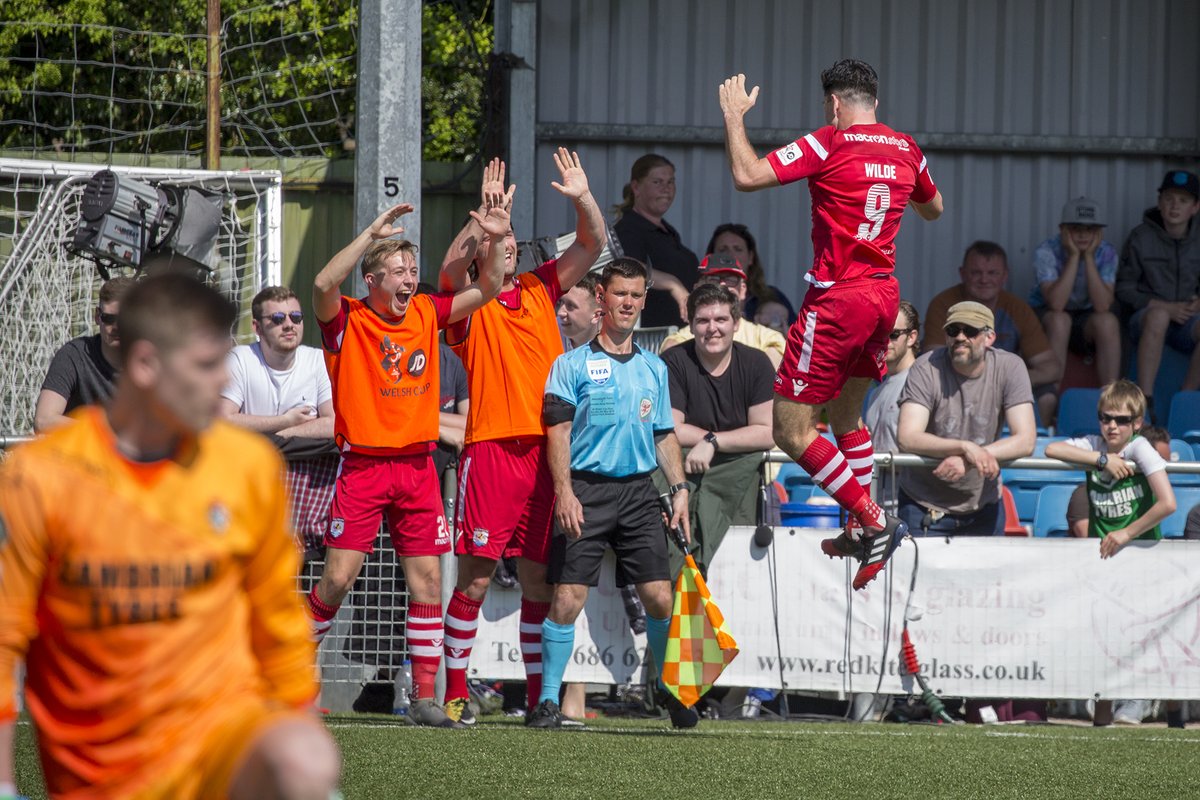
{"x":954,"y":404}
{"x":1125,"y":502}
{"x":721,"y":398}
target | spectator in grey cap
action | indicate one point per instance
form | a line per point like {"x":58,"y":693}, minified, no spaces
{"x":1076,"y":270}
{"x":1159,"y":279}
{"x":953,"y":406}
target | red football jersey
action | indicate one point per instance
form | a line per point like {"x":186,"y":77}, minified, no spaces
{"x":860,"y":180}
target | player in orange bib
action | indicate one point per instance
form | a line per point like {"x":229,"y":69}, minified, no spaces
{"x":149,"y":583}
{"x":505,"y":494}
{"x":382,"y":356}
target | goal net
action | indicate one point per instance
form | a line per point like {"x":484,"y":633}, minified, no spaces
{"x":48,"y":294}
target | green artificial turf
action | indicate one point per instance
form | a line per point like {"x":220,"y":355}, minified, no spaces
{"x":612,"y":758}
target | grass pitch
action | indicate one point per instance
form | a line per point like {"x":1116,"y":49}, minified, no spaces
{"x":617,"y":758}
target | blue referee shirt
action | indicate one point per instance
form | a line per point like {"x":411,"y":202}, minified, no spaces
{"x":621,"y":403}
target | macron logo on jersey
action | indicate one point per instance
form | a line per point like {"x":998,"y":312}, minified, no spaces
{"x":875,"y":138}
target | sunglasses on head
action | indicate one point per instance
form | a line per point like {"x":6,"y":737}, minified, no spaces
{"x":896,"y":334}
{"x":278,"y":317}
{"x":1120,"y":419}
{"x":107,"y":319}
{"x":954,"y":330}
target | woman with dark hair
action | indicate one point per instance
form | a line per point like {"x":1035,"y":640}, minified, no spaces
{"x":649,"y":238}
{"x":735,"y":239}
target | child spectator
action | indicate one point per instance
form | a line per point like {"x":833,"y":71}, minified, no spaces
{"x":1123,"y":503}
{"x":1159,"y":280}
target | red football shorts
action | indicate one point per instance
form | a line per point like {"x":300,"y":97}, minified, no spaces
{"x":505,"y":500}
{"x":404,"y":488}
{"x":840,"y":333}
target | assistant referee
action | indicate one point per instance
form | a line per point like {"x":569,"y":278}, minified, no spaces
{"x":608,"y":417}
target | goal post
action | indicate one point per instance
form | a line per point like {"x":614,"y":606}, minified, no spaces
{"x":48,"y":294}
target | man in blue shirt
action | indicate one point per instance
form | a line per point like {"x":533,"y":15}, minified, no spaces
{"x":608,"y":417}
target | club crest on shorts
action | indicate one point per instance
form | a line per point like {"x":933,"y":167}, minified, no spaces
{"x":599,"y":371}
{"x":644,"y":408}
{"x":479,"y":537}
{"x":218,"y":517}
{"x":337,"y":527}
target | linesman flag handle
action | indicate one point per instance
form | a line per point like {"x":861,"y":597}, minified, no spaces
{"x":664,"y":502}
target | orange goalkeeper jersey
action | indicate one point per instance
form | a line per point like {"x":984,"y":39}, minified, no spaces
{"x":508,"y":350}
{"x":147,"y":600}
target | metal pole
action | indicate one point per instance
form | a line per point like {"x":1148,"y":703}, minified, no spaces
{"x":212,"y":137}
{"x":387,"y":127}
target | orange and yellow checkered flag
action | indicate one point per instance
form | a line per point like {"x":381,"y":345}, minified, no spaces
{"x":699,"y":646}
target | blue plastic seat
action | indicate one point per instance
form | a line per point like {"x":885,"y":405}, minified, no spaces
{"x":1184,"y":419}
{"x":1051,"y":516}
{"x":1186,"y":499}
{"x":1077,"y":412}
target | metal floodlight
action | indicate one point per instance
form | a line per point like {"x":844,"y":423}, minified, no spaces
{"x":126,"y":222}
{"x":612,"y":247}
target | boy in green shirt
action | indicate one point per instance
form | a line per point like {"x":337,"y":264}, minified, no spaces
{"x":1124,"y":503}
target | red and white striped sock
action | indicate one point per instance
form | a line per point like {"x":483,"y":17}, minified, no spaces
{"x":532,"y":616}
{"x":320,"y":615}
{"x":423,"y":632}
{"x":860,"y":455}
{"x":830,"y":470}
{"x":462,"y":620}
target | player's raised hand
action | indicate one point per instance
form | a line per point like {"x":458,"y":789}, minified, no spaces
{"x":384,"y":226}
{"x":574,"y":180}
{"x":733,"y":96}
{"x":497,"y":222}
{"x":492,"y":191}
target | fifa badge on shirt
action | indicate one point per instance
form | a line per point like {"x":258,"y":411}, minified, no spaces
{"x":218,"y":517}
{"x":479,"y":537}
{"x":599,"y":370}
{"x":645,"y":407}
{"x":336,"y":527}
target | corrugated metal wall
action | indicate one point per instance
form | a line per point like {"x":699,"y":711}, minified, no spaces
{"x":1074,"y":70}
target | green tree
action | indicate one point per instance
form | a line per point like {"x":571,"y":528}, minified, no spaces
{"x":117,"y":76}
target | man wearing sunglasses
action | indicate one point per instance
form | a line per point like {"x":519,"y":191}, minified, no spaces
{"x":278,"y":385}
{"x":955,"y":402}
{"x":84,"y":370}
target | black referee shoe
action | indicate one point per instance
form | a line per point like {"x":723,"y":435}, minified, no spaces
{"x":546,"y":715}
{"x":681,"y":716}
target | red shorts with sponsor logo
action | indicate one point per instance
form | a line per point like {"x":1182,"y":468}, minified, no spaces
{"x":505,"y":500}
{"x":840,"y":333}
{"x":404,"y":488}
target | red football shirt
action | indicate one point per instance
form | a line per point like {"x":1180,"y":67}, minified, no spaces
{"x":860,"y":180}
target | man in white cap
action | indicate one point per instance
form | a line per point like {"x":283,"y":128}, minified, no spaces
{"x":1076,"y":270}
{"x":953,"y":406}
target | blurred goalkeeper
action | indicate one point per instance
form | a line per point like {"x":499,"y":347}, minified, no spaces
{"x":148,"y":580}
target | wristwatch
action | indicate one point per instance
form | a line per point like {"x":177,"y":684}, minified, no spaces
{"x":1103,"y":462}
{"x":711,"y":438}
{"x":676,"y":488}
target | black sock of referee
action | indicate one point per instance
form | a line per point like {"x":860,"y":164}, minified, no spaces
{"x":1175,"y":718}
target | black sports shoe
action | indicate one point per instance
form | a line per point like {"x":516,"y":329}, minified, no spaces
{"x":681,"y":716}
{"x":376,"y":697}
{"x":879,"y":548}
{"x":546,"y":715}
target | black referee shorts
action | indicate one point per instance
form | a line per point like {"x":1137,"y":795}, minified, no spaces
{"x":617,"y":513}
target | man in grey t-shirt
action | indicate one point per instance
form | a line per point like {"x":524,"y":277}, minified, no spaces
{"x":882,"y":414}
{"x":954,"y":404}
{"x":84,"y":370}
